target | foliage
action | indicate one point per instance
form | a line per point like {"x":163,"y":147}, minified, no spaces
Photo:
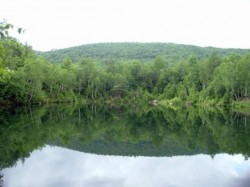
{"x":120,"y":72}
{"x":144,"y":52}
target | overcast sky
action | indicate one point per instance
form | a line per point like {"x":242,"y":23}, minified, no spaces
{"x":54,"y":24}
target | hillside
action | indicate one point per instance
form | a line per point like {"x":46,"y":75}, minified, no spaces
{"x":116,"y":72}
{"x":141,"y":51}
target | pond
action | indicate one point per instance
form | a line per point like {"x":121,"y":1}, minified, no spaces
{"x":68,"y":145}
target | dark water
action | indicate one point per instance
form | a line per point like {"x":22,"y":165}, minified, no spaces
{"x":65,"y":145}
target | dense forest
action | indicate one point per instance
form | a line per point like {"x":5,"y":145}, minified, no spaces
{"x":145,"y":52}
{"x":122,"y":72}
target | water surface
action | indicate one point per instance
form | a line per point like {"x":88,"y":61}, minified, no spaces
{"x":118,"y":146}
{"x":55,"y":166}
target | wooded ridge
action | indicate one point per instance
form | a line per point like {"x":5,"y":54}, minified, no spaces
{"x":123,"y":72}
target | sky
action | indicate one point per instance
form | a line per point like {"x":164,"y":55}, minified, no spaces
{"x":55,"y":166}
{"x":56,"y":24}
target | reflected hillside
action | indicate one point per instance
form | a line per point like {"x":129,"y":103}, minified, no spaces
{"x":123,"y":130}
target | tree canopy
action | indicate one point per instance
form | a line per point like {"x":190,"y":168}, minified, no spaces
{"x":122,"y":72}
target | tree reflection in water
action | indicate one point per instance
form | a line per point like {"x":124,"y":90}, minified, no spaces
{"x":122,"y":130}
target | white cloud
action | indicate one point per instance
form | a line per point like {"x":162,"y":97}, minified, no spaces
{"x":58,"y":24}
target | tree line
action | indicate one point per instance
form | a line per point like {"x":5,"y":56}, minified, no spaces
{"x":26,"y":77}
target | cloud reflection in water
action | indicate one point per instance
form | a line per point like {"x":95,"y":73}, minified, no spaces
{"x":55,"y":166}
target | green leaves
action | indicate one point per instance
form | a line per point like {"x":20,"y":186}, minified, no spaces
{"x":165,"y":71}
{"x":5,"y":27}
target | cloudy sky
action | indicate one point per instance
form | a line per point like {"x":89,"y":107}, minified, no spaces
{"x":54,"y":24}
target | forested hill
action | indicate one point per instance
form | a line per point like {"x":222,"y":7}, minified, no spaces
{"x":141,"y":51}
{"x":115,"y":73}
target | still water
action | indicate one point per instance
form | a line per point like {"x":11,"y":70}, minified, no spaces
{"x":56,"y":166}
{"x":119,"y":146}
